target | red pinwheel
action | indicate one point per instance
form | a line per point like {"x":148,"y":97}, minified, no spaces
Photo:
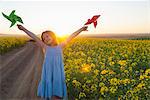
{"x":93,"y":20}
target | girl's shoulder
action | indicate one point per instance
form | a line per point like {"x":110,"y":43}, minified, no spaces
{"x":63,"y":44}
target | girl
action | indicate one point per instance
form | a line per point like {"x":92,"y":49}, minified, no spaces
{"x":52,"y":84}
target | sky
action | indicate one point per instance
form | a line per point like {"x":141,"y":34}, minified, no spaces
{"x":65,"y":17}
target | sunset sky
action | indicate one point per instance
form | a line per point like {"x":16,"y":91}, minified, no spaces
{"x":65,"y":17}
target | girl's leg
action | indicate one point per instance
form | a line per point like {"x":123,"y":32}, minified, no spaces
{"x":47,"y":98}
{"x":56,"y":98}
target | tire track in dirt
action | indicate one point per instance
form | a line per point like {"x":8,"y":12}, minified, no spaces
{"x":12,"y":55}
{"x":21,"y":74}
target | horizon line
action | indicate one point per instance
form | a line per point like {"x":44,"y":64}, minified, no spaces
{"x":88,"y":34}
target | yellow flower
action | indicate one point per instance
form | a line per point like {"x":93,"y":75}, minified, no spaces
{"x":76,"y":83}
{"x":141,"y":77}
{"x":125,"y":81}
{"x":67,"y":79}
{"x":126,"y":56}
{"x":111,"y":63}
{"x":92,"y":65}
{"x":88,"y":81}
{"x":96,"y":72}
{"x":111,"y":72}
{"x":94,"y":87}
{"x":110,"y":58}
{"x":122,"y":62}
{"x":129,"y":93}
{"x":85,"y":68}
{"x":122,"y":68}
{"x":101,"y":84}
{"x":82,"y":95}
{"x":113,"y":89}
{"x":114,"y":81}
{"x":104,"y":71}
{"x":140,"y":85}
{"x":130,"y":69}
{"x":147,"y":72}
{"x":126,"y":71}
{"x":103,"y":89}
{"x":85,"y":88}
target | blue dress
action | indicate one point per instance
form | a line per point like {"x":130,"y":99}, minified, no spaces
{"x":53,"y":77}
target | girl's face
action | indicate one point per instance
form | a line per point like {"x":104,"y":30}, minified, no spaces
{"x":47,"y":38}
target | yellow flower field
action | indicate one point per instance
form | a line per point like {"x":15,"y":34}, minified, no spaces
{"x":98,"y":69}
{"x":103,"y":69}
{"x":8,"y":43}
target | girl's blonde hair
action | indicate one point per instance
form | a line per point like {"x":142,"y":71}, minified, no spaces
{"x":52,"y":34}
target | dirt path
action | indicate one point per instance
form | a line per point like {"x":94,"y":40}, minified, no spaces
{"x":20,"y":72}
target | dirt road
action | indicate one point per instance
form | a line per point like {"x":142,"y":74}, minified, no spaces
{"x":20,"y":72}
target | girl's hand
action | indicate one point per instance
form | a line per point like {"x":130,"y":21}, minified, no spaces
{"x":20,"y":27}
{"x":84,"y":28}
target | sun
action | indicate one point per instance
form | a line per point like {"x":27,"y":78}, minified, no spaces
{"x":62,"y":35}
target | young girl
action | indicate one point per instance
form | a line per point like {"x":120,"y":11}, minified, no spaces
{"x":52,"y":84}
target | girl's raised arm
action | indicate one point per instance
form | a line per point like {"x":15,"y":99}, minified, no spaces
{"x":32,"y":36}
{"x":73,"y":35}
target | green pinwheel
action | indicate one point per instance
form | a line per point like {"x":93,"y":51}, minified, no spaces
{"x":13,"y":18}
